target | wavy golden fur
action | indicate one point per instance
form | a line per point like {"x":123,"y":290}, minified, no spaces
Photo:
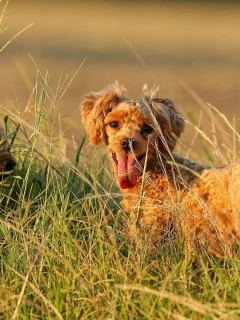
{"x":162,"y":192}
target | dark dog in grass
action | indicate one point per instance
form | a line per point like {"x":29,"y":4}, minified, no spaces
{"x":7,"y":162}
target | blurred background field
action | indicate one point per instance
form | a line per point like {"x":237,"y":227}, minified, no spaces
{"x":190,"y":48}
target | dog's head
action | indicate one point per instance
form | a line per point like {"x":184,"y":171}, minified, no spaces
{"x":133,"y":129}
{"x":7,"y":162}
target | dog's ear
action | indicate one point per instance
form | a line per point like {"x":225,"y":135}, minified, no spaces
{"x":170,"y":122}
{"x":96,"y":106}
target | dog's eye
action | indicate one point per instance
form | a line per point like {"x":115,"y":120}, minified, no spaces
{"x":114,"y":124}
{"x":147,"y":129}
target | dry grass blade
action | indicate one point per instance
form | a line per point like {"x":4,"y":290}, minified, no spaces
{"x":226,"y":121}
{"x":15,"y":36}
{"x":216,"y":311}
{"x":38,"y":292}
{"x":26,"y":280}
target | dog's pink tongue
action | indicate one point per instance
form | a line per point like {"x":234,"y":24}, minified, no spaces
{"x":127,"y":171}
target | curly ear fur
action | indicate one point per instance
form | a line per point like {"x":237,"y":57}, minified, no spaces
{"x":170,"y":122}
{"x":96,"y":106}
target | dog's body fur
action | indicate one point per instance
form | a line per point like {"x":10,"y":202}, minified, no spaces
{"x":161,"y":190}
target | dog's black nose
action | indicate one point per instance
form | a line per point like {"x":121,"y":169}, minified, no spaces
{"x":9,"y":164}
{"x":129,"y":144}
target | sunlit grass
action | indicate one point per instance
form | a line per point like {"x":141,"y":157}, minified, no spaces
{"x":64,"y":250}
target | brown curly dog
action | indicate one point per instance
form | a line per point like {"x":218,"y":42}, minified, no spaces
{"x":163,"y":192}
{"x":7,"y":162}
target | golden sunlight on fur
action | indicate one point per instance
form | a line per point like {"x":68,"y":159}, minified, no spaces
{"x":7,"y":162}
{"x":163,"y":193}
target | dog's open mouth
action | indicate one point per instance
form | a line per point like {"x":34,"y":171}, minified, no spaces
{"x":127,"y":169}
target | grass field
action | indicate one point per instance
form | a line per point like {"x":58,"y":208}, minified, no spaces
{"x":64,"y":251}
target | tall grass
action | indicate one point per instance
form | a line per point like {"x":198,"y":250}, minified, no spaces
{"x":64,"y":251}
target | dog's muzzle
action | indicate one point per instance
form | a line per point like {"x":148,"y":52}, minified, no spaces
{"x":9,"y":164}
